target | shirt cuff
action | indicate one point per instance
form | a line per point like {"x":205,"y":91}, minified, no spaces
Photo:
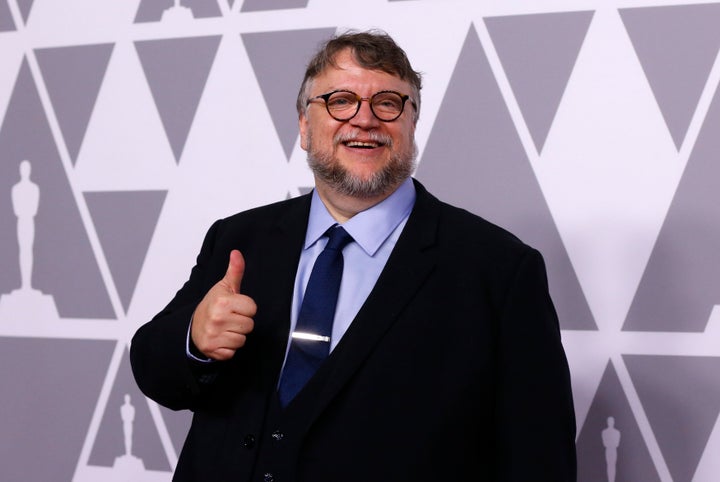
{"x":191,"y":350}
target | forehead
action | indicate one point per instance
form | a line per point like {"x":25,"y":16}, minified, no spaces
{"x":348,"y":74}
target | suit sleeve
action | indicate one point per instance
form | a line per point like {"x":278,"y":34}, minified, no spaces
{"x":535,"y":415}
{"x":158,"y":356}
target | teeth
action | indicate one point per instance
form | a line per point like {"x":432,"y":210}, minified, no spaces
{"x":361,"y":144}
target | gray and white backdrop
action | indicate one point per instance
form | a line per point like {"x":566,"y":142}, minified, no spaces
{"x":591,"y":128}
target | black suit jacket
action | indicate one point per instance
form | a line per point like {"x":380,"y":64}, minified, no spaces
{"x":452,"y":370}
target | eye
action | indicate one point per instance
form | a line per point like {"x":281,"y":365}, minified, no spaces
{"x":341,"y":100}
{"x":388,"y":101}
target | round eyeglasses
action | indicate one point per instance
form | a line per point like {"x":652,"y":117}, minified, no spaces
{"x":343,"y":105}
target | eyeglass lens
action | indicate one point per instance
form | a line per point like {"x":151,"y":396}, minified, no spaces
{"x":386,"y":106}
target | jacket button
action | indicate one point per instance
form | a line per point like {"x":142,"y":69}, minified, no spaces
{"x":277,"y":435}
{"x":249,"y":441}
{"x":268,"y":477}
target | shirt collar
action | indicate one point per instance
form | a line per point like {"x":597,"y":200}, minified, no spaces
{"x":369,"y":228}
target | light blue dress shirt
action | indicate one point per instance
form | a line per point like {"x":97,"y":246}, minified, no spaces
{"x":375,"y":232}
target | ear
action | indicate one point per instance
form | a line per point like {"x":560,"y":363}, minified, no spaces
{"x":303,"y":125}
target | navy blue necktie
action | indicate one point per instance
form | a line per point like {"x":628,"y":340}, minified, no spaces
{"x":311,"y":339}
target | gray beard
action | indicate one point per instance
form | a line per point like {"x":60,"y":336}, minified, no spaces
{"x":327,"y":168}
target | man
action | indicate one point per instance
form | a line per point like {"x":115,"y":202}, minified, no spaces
{"x":445,"y":360}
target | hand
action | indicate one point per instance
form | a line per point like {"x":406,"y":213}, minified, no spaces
{"x":223,"y":319}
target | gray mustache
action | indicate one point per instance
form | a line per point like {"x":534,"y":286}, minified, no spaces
{"x":371,"y":136}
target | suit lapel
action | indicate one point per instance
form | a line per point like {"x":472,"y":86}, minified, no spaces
{"x":409,"y":265}
{"x":275,"y":282}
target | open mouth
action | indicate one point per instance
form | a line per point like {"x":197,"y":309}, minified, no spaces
{"x":363,"y":140}
{"x":362,"y":144}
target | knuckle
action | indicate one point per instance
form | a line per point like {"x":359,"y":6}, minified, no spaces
{"x":222,"y":303}
{"x":250,"y":325}
{"x":251,"y":306}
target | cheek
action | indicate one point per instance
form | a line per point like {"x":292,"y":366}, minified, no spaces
{"x":404,"y":137}
{"x":321,"y":137}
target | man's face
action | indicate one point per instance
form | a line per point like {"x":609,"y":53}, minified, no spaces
{"x":363,"y":157}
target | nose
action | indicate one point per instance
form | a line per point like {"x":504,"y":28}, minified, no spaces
{"x":365,"y":118}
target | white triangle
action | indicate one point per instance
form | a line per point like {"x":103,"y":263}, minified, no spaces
{"x":607,"y":186}
{"x":125,"y":146}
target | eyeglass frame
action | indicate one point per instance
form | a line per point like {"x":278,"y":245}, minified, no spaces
{"x":325,"y":97}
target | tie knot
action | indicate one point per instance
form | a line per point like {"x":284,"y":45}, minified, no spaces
{"x":338,"y":238}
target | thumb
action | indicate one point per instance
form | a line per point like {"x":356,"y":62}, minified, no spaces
{"x":235,"y":270}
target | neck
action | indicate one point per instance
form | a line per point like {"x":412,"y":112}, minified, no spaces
{"x":342,"y":206}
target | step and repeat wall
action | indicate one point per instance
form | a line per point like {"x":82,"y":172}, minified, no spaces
{"x":591,"y":129}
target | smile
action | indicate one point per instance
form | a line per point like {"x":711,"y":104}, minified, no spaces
{"x":362,"y":144}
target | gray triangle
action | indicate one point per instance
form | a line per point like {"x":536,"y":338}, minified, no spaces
{"x":474,"y":159}
{"x":279,"y":60}
{"x":152,"y":10}
{"x":110,"y":440}
{"x":48,"y":409}
{"x":538,"y":53}
{"x":681,"y":398}
{"x":680,"y":284}
{"x":177,"y":423}
{"x":62,"y":249}
{"x":203,"y":8}
{"x":25,"y":6}
{"x":125,"y":222}
{"x":676,"y":46}
{"x":73,"y":76}
{"x":260,"y":5}
{"x":6,"y":21}
{"x":633,"y":458}
{"x":177,"y":70}
{"x":302,"y":189}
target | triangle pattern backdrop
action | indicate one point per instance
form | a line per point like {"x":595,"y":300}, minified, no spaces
{"x":62,"y":247}
{"x":60,"y":390}
{"x":73,"y":76}
{"x":6,"y":21}
{"x":681,"y":397}
{"x":152,"y":10}
{"x":634,"y":462}
{"x":125,"y":222}
{"x":25,"y":6}
{"x":109,"y":442}
{"x":538,"y":53}
{"x":260,"y":5}
{"x":482,"y":176}
{"x":677,"y":46}
{"x":176,"y":71}
{"x":680,"y":284}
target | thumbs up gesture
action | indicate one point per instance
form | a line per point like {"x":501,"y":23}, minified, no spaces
{"x":223,"y":319}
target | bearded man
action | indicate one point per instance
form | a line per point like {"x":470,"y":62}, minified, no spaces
{"x":366,"y":331}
